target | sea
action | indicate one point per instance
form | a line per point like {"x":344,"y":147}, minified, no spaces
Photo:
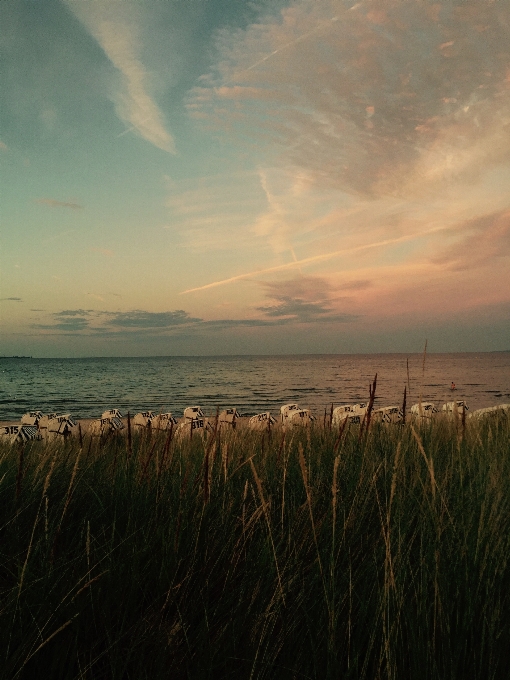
{"x":253,"y":384}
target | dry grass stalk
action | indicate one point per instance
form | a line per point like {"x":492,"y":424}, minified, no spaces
{"x":285,"y":461}
{"x":422,"y":378}
{"x":210,"y":443}
{"x":147,"y":461}
{"x":429,"y":462}
{"x":371,"y":401}
{"x":304,"y":473}
{"x":161,"y":463}
{"x":45,"y":498}
{"x":19,"y":476}
{"x":281,"y":448}
{"x":66,"y":505}
{"x":129,"y":440}
{"x":224,"y":460}
{"x":71,"y":482}
{"x":390,"y":576}
{"x":29,"y":550}
{"x":166,"y":449}
{"x":89,"y":583}
{"x":87,"y":545}
{"x":334,"y":492}
{"x":367,"y":417}
{"x":30,"y":656}
{"x":340,"y":433}
{"x":266,"y":515}
{"x":243,"y":514}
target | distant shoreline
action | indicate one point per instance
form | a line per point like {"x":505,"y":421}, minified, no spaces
{"x":16,"y":356}
{"x":245,"y":356}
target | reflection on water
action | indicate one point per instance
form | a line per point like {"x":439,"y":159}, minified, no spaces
{"x":86,"y":387}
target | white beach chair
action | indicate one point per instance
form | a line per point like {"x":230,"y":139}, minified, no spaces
{"x":360,"y":409}
{"x":164,"y":421}
{"x":228,"y":417}
{"x":193,"y":412}
{"x":490,"y":411}
{"x":262,"y":421}
{"x":48,"y":418}
{"x":355,"y":418}
{"x":340,"y":413}
{"x":190,"y":426}
{"x":60,"y":425}
{"x":19,"y":433}
{"x":143,"y":419}
{"x":300,"y":418}
{"x":112,"y":413}
{"x":452,"y":408}
{"x":423,"y":410}
{"x":285,"y":411}
{"x":105,"y":426}
{"x":31,"y":418}
{"x":193,"y":422}
{"x":388,"y":414}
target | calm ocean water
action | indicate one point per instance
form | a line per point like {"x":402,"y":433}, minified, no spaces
{"x":86,"y":387}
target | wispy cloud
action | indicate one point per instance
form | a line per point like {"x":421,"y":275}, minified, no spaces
{"x":287,"y":310}
{"x":320,"y":258}
{"x":53,"y":203}
{"x":141,"y":319}
{"x":305,"y":299}
{"x":96,"y":321}
{"x":68,"y":325}
{"x":74,"y":312}
{"x":305,"y":312}
{"x":394,"y":99}
{"x":384,"y":132}
{"x":484,"y":239}
{"x":115,"y":27}
{"x":101,"y":296}
{"x":215,"y":212}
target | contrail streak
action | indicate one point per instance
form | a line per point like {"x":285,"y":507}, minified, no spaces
{"x":292,"y":42}
{"x":316,"y":258}
{"x":132,"y":128}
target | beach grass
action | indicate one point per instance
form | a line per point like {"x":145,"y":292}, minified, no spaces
{"x":312,"y":553}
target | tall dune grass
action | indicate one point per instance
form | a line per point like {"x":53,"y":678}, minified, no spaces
{"x":259,"y":555}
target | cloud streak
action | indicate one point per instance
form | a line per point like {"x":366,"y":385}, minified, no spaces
{"x":94,"y":323}
{"x":304,"y":299}
{"x":319,"y":258}
{"x":115,"y":27}
{"x":53,"y":203}
{"x":386,"y":98}
{"x":384,"y":133}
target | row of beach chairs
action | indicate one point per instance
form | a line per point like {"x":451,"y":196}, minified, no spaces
{"x":36,"y":425}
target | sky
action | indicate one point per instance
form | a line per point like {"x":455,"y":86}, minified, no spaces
{"x":204,"y":177}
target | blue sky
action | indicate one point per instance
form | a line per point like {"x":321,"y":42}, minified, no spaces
{"x":199,"y":177}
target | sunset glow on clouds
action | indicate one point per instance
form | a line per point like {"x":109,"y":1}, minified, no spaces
{"x":317,"y":176}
